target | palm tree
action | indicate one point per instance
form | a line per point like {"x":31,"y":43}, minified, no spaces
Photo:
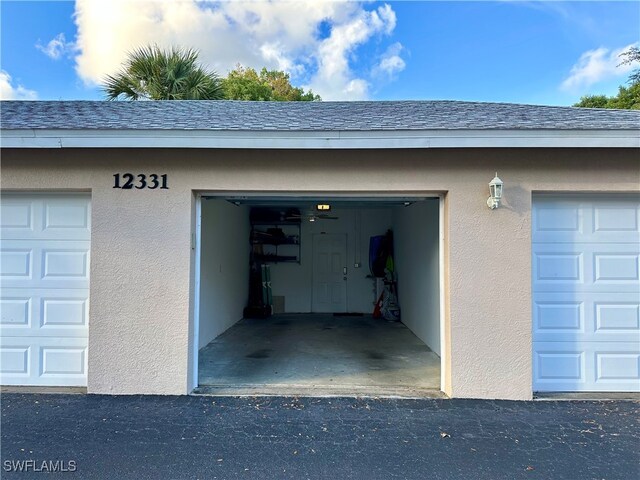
{"x":151,"y":73}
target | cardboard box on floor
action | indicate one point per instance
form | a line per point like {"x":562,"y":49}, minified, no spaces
{"x":278,"y":304}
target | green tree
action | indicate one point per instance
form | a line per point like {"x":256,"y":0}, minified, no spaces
{"x":628,"y":98}
{"x":151,"y":73}
{"x":631,"y":56}
{"x":593,"y":101}
{"x":245,"y":83}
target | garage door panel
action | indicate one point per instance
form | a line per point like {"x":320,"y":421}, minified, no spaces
{"x":558,"y":318}
{"x":44,"y":282}
{"x":612,"y":316}
{"x":616,"y":267}
{"x":616,"y":217}
{"x":571,"y":366}
{"x":16,"y":263}
{"x":17,"y":215}
{"x":44,"y":264}
{"x":564,"y":365}
{"x":575,"y":221}
{"x":59,"y":264}
{"x":586,"y":293}
{"x":38,"y":217}
{"x":43,"y":361}
{"x":15,"y":309}
{"x":586,"y":316}
{"x":62,"y":360}
{"x":44,"y":312}
{"x":15,"y":360}
{"x":615,"y":366}
{"x":65,"y":214}
{"x":551,"y":221}
{"x":586,"y":267}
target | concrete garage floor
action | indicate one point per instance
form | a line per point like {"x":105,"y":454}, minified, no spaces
{"x":319,"y":354}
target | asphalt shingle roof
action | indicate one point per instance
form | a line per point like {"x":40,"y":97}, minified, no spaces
{"x":306,"y":116}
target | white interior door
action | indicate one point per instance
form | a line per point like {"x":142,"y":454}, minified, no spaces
{"x":44,"y":282}
{"x":329,"y":273}
{"x":586,"y":294}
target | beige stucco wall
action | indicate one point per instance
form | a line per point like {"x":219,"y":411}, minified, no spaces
{"x":142,"y":261}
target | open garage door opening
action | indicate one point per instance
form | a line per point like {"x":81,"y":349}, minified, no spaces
{"x":318,"y":295}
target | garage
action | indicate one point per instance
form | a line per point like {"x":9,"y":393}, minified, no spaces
{"x":320,"y":334}
{"x":45,"y":288}
{"x":586,"y":293}
{"x":531,"y":286}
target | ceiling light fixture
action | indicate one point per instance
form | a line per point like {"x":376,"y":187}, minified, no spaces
{"x":323,"y":207}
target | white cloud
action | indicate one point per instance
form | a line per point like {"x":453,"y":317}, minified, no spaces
{"x":275,"y":53}
{"x":333,"y":54}
{"x":9,"y":91}
{"x":56,"y":47}
{"x":284,"y":35}
{"x":391,"y":63}
{"x":595,"y":66}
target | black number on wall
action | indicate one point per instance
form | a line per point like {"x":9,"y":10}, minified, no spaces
{"x":140,"y":181}
{"x":154,"y":181}
{"x":128,"y":184}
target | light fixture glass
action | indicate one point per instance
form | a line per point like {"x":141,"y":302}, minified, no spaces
{"x":323,"y":207}
{"x":495,"y":192}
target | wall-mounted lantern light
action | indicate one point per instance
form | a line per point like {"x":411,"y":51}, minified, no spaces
{"x":495,"y":192}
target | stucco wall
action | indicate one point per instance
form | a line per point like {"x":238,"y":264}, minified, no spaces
{"x":142,"y":261}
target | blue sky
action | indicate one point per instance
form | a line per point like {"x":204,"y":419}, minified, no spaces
{"x":508,"y":51}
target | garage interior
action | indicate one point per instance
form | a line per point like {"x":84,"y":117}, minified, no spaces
{"x":321,"y":335}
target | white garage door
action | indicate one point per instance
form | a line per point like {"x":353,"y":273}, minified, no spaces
{"x":44,"y":275}
{"x":586,"y":293}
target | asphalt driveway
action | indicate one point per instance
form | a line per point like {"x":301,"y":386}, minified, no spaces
{"x":91,"y":436}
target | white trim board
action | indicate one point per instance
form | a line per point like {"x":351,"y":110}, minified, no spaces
{"x":395,"y":139}
{"x":197,"y":247}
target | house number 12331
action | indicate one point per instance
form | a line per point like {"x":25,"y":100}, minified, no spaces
{"x":128,"y":181}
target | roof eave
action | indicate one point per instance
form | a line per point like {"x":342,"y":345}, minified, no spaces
{"x":281,"y":139}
